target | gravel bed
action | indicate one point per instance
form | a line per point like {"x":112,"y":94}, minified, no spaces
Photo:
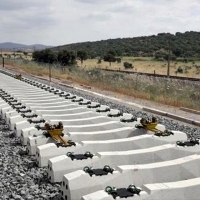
{"x":20,"y":177}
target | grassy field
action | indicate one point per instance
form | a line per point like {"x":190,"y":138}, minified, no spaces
{"x":148,"y":65}
{"x":166,"y":91}
{"x":140,"y":64}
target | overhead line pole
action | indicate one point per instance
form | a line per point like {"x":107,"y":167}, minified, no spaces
{"x":169,"y":58}
{"x":2,"y":58}
{"x":49,"y":72}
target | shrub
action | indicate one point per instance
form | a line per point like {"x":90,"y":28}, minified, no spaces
{"x":99,"y":61}
{"x":179,"y":70}
{"x":128,"y":65}
{"x":118,"y":60}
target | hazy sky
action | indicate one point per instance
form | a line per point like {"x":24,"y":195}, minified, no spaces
{"x":59,"y":22}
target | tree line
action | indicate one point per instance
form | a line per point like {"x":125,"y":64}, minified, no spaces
{"x":164,"y":46}
{"x":181,"y":45}
{"x":67,"y":58}
{"x":64,"y":57}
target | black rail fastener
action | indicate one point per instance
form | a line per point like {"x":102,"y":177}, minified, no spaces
{"x":77,"y":100}
{"x":132,"y":188}
{"x":102,"y":110}
{"x":64,"y":95}
{"x":16,"y":103}
{"x":12,"y":101}
{"x":70,"y":97}
{"x":188,"y":143}
{"x":132,"y":119}
{"x":98,"y":172}
{"x":57,"y":92}
{"x":27,"y":115}
{"x":139,"y":126}
{"x":39,"y":85}
{"x":69,"y":144}
{"x":18,"y":107}
{"x":52,"y":90}
{"x":46,"y":134}
{"x":24,"y":110}
{"x":35,"y":121}
{"x":85,"y":103}
{"x":120,"y":113}
{"x":38,"y":127}
{"x":94,"y":106}
{"x":123,"y":192}
{"x":8,"y":98}
{"x":47,"y":88}
{"x":84,"y":156}
{"x":163,"y":134}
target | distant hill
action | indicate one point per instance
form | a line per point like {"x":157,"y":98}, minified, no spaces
{"x":9,"y":46}
{"x":181,"y":44}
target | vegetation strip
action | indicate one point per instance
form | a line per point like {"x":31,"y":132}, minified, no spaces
{"x":190,"y":110}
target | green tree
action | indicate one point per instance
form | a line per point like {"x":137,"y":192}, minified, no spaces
{"x":51,"y":56}
{"x":164,"y":55}
{"x":161,"y":54}
{"x":82,"y":55}
{"x":178,"y":52}
{"x":182,"y":44}
{"x":66,"y":57}
{"x":110,"y":57}
{"x":25,"y":53}
{"x":46,"y":56}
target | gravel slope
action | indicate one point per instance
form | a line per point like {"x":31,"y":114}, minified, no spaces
{"x":20,"y":178}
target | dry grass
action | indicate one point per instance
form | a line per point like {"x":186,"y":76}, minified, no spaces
{"x":140,"y":64}
{"x":147,"y":65}
{"x":16,"y":55}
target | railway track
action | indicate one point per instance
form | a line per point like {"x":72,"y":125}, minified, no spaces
{"x":110,"y":158}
